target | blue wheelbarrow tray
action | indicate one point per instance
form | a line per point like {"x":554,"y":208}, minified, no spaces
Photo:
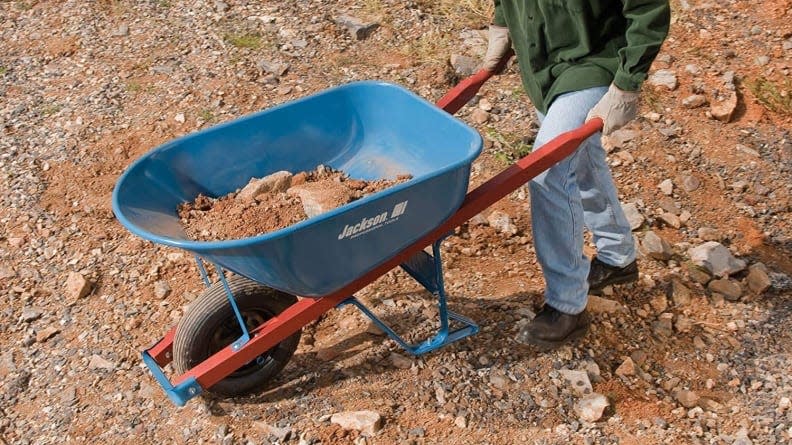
{"x":370,"y":130}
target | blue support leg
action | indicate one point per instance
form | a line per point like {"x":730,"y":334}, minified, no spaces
{"x":428,"y":271}
{"x":237,"y":345}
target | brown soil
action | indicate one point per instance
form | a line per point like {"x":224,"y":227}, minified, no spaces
{"x":227,"y":217}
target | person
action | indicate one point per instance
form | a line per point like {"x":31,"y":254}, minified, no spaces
{"x":578,"y":60}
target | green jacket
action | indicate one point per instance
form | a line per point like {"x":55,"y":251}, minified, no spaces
{"x":569,"y":45}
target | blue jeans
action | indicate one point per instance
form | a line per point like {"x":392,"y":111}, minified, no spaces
{"x":575,"y":192}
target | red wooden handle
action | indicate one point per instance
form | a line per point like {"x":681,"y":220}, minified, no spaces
{"x":461,"y":94}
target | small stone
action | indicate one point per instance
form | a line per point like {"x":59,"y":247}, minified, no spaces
{"x":400,"y":361}
{"x":479,"y":116}
{"x":501,"y":222}
{"x":656,"y":247}
{"x":77,"y":286}
{"x":667,"y":187}
{"x":710,"y":405}
{"x":416,"y":432}
{"x":277,"y":69}
{"x":464,"y":66}
{"x":664,"y":325}
{"x":680,"y":294}
{"x":693,"y":69}
{"x":578,"y":381}
{"x":322,"y":196}
{"x":634,"y":217}
{"x":591,"y":407}
{"x":690,"y":183}
{"x":367,"y":422}
{"x":627,"y":368}
{"x":485,"y":105}
{"x":730,"y":289}
{"x":121,"y":31}
{"x":716,"y":259}
{"x":663,"y":78}
{"x":709,"y":234}
{"x":161,"y":289}
{"x":221,"y":6}
{"x":97,"y":362}
{"x":275,"y":183}
{"x":659,"y":303}
{"x":694,"y":101}
{"x":784,"y":404}
{"x":686,"y":398}
{"x":724,"y":111}
{"x":179,"y":118}
{"x":46,"y":333}
{"x":758,"y":280}
{"x":762,"y":60}
{"x":599,"y":305}
{"x":671,"y":220}
{"x":683,"y":324}
{"x":284,"y":90}
{"x":357,"y":28}
{"x":30,"y":314}
{"x":460,"y":421}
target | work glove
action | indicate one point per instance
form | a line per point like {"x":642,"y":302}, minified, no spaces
{"x":499,"y":45}
{"x":616,"y":108}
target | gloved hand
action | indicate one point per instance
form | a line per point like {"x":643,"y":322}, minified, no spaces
{"x":616,"y":109}
{"x":499,"y":44}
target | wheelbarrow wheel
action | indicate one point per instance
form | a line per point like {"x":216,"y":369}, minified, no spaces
{"x":210,"y":325}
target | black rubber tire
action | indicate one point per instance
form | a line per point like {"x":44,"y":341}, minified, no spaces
{"x":210,"y":325}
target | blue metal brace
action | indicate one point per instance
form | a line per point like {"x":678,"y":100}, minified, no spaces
{"x":237,"y":345}
{"x":428,"y":271}
{"x":178,"y":394}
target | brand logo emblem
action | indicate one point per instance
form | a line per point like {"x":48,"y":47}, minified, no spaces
{"x":369,"y":224}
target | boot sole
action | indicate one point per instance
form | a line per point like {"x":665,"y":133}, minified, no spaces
{"x":548,"y":345}
{"x":623,"y":279}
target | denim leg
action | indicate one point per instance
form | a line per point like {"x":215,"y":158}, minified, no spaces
{"x":557,"y":204}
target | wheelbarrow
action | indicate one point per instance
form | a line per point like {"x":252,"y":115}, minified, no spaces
{"x":243,"y":329}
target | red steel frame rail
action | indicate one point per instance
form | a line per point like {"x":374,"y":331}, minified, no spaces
{"x":275,"y":330}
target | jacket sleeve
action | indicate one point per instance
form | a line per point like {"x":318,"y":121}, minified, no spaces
{"x":647,"y":27}
{"x":498,"y":19}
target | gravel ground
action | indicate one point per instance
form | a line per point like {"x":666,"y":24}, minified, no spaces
{"x":681,"y":356}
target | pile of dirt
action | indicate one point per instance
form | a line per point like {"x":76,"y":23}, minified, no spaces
{"x":274,"y":202}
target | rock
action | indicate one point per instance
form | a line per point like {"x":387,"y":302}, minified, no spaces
{"x":357,"y":28}
{"x":730,"y":289}
{"x":664,"y":325}
{"x":762,"y":60}
{"x":693,"y":69}
{"x":694,"y":101}
{"x":221,"y":6}
{"x":627,"y":367}
{"x":460,"y":421}
{"x":690,"y":183}
{"x":667,"y":187}
{"x":161,"y":289}
{"x":277,"y":69}
{"x":656,"y":247}
{"x":321,"y":196}
{"x":417,"y":432}
{"x":634,"y":216}
{"x":46,"y":333}
{"x":367,"y":422}
{"x":683,"y":324}
{"x":499,"y":380}
{"x":659,"y":303}
{"x":599,"y":305}
{"x":121,"y":31}
{"x":31,"y":314}
{"x":578,"y":381}
{"x":686,"y":398}
{"x":179,"y":118}
{"x":709,"y":234}
{"x":464,"y":66}
{"x":680,"y":294}
{"x":6,"y":272}
{"x":479,"y":116}
{"x":758,"y":281}
{"x":724,"y":110}
{"x":501,"y":222}
{"x":710,"y":405}
{"x":274,"y":183}
{"x":400,"y":361}
{"x":670,"y":220}
{"x":485,"y":105}
{"x":77,"y":286}
{"x":716,"y":259}
{"x":97,"y":362}
{"x":591,"y":407}
{"x":663,"y":78}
